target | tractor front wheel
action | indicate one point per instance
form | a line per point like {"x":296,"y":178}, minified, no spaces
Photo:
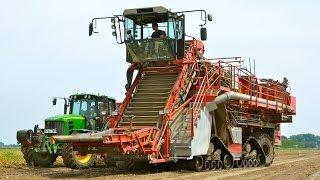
{"x":75,"y":160}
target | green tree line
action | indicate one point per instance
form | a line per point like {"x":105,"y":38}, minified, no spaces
{"x":2,"y":145}
{"x":301,"y":141}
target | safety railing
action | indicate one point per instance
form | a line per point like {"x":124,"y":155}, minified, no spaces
{"x":220,"y":71}
{"x":114,"y":120}
{"x":210,"y":78}
{"x":242,"y":80}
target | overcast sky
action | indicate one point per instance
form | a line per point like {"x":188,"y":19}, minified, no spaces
{"x":45,"y":51}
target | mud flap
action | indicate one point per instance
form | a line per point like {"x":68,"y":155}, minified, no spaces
{"x":25,"y":137}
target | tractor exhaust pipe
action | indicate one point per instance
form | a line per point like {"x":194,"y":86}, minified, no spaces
{"x":238,"y":96}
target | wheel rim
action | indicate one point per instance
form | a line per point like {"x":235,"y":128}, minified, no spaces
{"x":198,"y":163}
{"x":227,"y":161}
{"x":83,"y":158}
{"x":220,"y":164}
{"x":213,"y":165}
{"x":245,"y":163}
{"x":255,"y":163}
{"x":250,"y":163}
{"x":207,"y":165}
{"x":239,"y":163}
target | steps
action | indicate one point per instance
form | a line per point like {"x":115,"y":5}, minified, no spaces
{"x":150,"y":97}
{"x":181,"y":136}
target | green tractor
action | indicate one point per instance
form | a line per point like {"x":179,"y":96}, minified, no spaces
{"x":87,"y":113}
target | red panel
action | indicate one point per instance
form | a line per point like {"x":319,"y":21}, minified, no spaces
{"x":277,"y":137}
{"x":235,"y":148}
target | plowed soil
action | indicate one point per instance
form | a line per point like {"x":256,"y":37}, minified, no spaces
{"x":288,"y":164}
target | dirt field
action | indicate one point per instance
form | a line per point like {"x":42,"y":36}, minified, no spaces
{"x":288,"y":164}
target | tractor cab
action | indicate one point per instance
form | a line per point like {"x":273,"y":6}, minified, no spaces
{"x":153,"y":34}
{"x":93,"y":108}
{"x":86,"y":111}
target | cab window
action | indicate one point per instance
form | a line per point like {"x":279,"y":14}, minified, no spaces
{"x":103,"y":108}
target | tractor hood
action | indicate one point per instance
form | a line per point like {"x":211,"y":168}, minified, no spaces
{"x":66,"y":118}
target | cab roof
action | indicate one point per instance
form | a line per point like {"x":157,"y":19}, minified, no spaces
{"x":147,"y":15}
{"x":156,"y":9}
{"x":94,"y":95}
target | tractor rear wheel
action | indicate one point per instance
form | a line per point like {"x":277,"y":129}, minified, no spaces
{"x":266,"y":144}
{"x":74,"y":160}
{"x":34,"y":158}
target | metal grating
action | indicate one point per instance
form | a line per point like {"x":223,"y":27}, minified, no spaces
{"x":55,"y":125}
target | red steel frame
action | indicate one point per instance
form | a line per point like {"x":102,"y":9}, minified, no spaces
{"x":155,"y":142}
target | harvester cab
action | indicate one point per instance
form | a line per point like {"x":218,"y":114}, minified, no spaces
{"x":152,"y":34}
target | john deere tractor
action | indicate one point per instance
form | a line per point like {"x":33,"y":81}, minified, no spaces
{"x":87,"y":113}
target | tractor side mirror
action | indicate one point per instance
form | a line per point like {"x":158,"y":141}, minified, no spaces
{"x":90,"y":28}
{"x":54,"y":101}
{"x":203,"y":33}
{"x":209,"y":17}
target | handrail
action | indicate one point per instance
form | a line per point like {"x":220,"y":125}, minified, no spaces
{"x":262,"y":91}
{"x":174,"y":94}
{"x":207,"y":82}
{"x":199,"y":102}
{"x":114,"y":120}
{"x":243,"y":70}
{"x":268,"y":95}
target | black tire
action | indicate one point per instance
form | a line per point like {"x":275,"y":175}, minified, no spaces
{"x":227,"y":161}
{"x":260,"y":159}
{"x":196,"y":164}
{"x":245,"y":163}
{"x":206,"y":166}
{"x":182,"y":164}
{"x":239,"y":163}
{"x":41,"y":159}
{"x":213,"y":165}
{"x":219,"y":164}
{"x":250,"y":163}
{"x":71,"y":159}
{"x":28,"y":155}
{"x":255,"y":163}
{"x":267,"y":146}
{"x":44,"y":159}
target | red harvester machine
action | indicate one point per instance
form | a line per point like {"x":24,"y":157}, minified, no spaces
{"x":183,"y":107}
